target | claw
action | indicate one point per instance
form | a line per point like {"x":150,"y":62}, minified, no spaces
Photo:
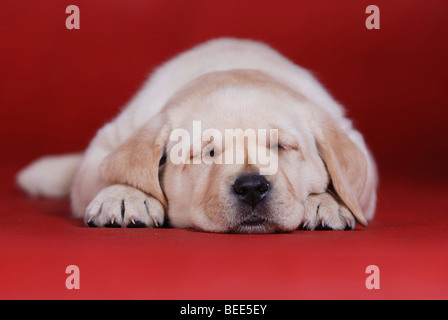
{"x":347,"y":221}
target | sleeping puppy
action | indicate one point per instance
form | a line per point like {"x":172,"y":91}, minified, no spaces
{"x":229,"y":136}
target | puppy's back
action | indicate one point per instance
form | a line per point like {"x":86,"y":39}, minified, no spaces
{"x":221,"y":55}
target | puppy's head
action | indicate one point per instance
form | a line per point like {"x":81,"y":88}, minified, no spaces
{"x":239,"y":152}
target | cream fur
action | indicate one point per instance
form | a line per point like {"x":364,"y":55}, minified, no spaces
{"x":225,"y":83}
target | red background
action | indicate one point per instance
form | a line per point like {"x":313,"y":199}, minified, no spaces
{"x":58,"y":86}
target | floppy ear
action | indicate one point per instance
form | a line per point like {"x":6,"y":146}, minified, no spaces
{"x":345,"y":162}
{"x":136,"y":161}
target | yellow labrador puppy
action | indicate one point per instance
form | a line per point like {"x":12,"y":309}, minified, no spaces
{"x":229,"y":136}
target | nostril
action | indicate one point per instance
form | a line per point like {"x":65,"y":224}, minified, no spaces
{"x":250,"y":183}
{"x":263,"y":187}
{"x":239,"y":189}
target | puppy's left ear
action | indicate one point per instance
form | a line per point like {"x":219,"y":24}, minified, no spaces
{"x":136,"y":161}
{"x":346,"y":163}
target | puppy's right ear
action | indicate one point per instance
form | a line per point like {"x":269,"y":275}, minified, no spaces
{"x":136,"y":161}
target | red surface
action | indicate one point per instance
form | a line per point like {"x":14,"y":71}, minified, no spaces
{"x":57,"y":86}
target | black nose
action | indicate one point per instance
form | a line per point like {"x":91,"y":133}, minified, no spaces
{"x":251,"y":189}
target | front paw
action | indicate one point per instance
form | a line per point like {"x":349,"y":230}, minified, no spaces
{"x":325,"y":212}
{"x":122,"y":206}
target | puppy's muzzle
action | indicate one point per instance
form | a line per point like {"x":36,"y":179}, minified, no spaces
{"x":251,"y":189}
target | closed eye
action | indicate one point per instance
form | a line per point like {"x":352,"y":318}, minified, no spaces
{"x":162,"y":160}
{"x":285,"y":141}
{"x":211,"y":153}
{"x":280,"y":146}
{"x":285,"y":147}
